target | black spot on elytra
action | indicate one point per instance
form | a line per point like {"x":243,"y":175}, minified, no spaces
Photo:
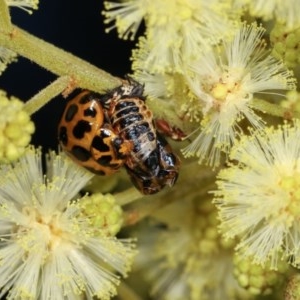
{"x":99,"y":144}
{"x":81,"y":153}
{"x":81,"y":128}
{"x":62,"y":135}
{"x":104,"y":160}
{"x":90,"y":112}
{"x":71,"y":112}
{"x":86,"y":98}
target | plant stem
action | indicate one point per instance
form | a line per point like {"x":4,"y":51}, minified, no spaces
{"x":45,"y":95}
{"x":56,"y":60}
{"x":273,"y":109}
{"x":5,"y":23}
{"x":142,"y":209}
{"x":128,"y":196}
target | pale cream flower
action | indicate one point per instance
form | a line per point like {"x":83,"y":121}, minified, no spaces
{"x":224,"y":82}
{"x":49,"y":248}
{"x":258,"y":196}
{"x":286,"y":12}
{"x":187,"y":259}
{"x":127,"y":16}
{"x":175,"y":30}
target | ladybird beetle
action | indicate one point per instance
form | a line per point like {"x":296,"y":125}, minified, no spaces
{"x":86,"y":136}
{"x":104,"y":132}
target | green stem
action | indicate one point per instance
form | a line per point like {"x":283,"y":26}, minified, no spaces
{"x":5,"y":23}
{"x":45,"y":95}
{"x":142,"y":209}
{"x":274,"y":109}
{"x":57,"y":61}
{"x":128,"y":196}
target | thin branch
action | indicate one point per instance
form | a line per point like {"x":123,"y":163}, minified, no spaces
{"x":45,"y":95}
{"x":128,"y":196}
{"x":57,"y":61}
{"x":274,"y":109}
{"x":5,"y":23}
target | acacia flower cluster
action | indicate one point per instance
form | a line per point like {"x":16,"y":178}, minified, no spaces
{"x":175,"y":30}
{"x":50,"y":247}
{"x":215,"y":85}
{"x":7,"y":56}
{"x":188,"y":259}
{"x":224,"y":82}
{"x":217,"y":82}
{"x":103,"y":212}
{"x":283,"y":12}
{"x":16,"y":128}
{"x":286,"y":44}
{"x":218,"y":78}
{"x":258,"y":195}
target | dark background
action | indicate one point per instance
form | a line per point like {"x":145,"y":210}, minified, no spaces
{"x":77,"y":27}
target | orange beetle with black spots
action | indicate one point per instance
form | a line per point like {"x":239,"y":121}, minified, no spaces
{"x":86,"y":136}
{"x":105,"y":132}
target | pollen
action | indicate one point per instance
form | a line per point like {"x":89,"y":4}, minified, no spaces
{"x":162,"y":13}
{"x":185,"y":13}
{"x":219,"y":91}
{"x":291,"y":186}
{"x":41,"y":233}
